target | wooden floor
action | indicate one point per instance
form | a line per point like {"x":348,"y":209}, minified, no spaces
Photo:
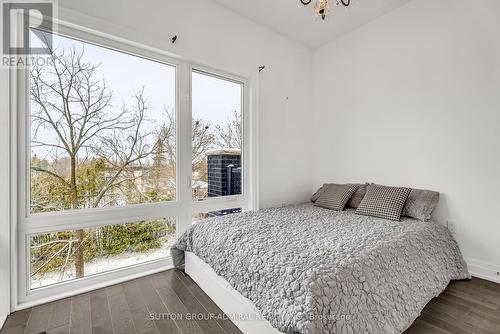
{"x":143,"y":306}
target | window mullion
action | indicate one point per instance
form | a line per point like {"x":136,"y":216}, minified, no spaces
{"x":184,"y":140}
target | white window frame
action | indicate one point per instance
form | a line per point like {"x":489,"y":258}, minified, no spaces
{"x":25,"y":224}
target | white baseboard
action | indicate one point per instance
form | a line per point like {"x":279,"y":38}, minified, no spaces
{"x":484,"y":270}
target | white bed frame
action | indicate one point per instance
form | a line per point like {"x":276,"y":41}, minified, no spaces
{"x":241,"y":310}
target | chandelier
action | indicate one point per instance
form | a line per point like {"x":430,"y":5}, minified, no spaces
{"x":322,"y":8}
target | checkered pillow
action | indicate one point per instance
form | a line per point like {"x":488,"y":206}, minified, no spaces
{"x":336,"y":196}
{"x":383,"y":202}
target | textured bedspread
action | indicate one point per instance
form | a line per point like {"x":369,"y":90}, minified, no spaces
{"x":312,"y":270}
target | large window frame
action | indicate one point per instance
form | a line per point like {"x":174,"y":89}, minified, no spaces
{"x":183,"y":207}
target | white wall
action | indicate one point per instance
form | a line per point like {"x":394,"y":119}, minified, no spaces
{"x":4,"y":198}
{"x":413,"y":98}
{"x":214,"y":36}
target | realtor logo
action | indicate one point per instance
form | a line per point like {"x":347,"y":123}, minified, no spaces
{"x":32,"y":14}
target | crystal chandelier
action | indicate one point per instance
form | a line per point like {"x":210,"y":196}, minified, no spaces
{"x":322,"y":8}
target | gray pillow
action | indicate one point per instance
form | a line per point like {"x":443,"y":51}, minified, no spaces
{"x":383,"y":202}
{"x":318,"y":192}
{"x":358,"y":196}
{"x":420,"y":204}
{"x":336,"y":196}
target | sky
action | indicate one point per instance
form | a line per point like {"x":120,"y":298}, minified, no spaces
{"x":214,"y":99}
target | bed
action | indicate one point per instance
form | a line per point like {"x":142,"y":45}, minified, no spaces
{"x":305,"y":269}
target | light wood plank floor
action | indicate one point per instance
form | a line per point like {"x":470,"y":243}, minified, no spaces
{"x":468,"y":307}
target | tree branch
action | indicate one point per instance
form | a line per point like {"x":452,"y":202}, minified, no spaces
{"x":42,"y":170}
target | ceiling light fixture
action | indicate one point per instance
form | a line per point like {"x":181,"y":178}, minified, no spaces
{"x":322,"y":7}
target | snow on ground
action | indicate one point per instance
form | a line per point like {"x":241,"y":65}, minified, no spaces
{"x":103,"y":264}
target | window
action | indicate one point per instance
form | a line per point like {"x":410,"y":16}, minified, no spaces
{"x":100,"y":135}
{"x":105,"y":137}
{"x":54,"y":256}
{"x":217,"y":136}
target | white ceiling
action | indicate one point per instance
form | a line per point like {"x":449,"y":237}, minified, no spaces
{"x":300,"y":24}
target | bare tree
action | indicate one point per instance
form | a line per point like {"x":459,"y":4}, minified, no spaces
{"x":168,"y":135}
{"x":164,"y":164}
{"x":229,"y":135}
{"x":74,"y":104}
{"x":123,"y":150}
{"x":202,"y":139}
